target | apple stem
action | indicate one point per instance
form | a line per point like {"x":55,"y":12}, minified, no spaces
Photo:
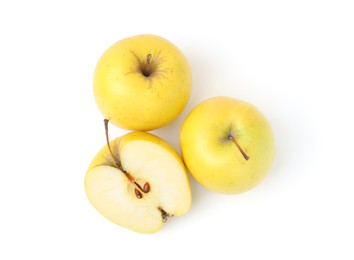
{"x":147,"y":69}
{"x":116,"y":161}
{"x":230,"y":137}
{"x":146,"y":187}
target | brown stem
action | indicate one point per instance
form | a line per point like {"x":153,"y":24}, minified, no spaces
{"x":147,"y":69}
{"x":230,"y":137}
{"x":115,"y":159}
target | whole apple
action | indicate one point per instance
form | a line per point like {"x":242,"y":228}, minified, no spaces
{"x":142,"y":82}
{"x":227,"y":145}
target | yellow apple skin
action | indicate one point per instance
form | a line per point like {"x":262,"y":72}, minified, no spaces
{"x":213,"y":158}
{"x":131,"y":100}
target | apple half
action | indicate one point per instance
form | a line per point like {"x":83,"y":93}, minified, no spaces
{"x":138,"y":181}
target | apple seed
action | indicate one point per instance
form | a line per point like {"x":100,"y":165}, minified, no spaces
{"x":146,"y":187}
{"x":138,"y":193}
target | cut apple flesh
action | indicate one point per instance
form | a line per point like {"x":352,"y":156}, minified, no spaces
{"x":113,"y":194}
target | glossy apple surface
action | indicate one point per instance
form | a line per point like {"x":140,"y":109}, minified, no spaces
{"x":142,"y":82}
{"x":227,"y":145}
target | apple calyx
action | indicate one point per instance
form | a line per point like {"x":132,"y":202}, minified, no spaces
{"x":233,"y":139}
{"x":165,"y":215}
{"x":138,"y":189}
{"x":146,"y":70}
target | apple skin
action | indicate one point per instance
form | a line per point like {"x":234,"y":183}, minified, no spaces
{"x":112,"y":194}
{"x":131,"y":100}
{"x":213,"y":159}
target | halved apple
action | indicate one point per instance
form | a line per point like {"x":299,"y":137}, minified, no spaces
{"x":138,"y":181}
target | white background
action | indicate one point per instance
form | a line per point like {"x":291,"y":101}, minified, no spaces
{"x":294,"y":60}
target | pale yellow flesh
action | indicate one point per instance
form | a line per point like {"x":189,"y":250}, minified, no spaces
{"x":148,"y":159}
{"x":133,"y":101}
{"x":167,"y":177}
{"x":214,"y":160}
{"x":113,"y":196}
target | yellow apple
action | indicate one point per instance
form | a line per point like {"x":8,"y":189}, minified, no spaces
{"x":138,"y":181}
{"x":227,"y":145}
{"x":142,"y":82}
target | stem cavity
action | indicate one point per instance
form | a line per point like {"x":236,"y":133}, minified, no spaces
{"x":147,"y":69}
